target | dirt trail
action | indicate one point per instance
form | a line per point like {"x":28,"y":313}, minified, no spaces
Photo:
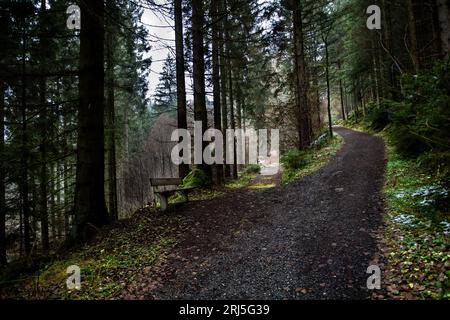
{"x":312,"y":239}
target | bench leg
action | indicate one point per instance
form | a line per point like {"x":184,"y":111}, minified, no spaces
{"x":163,"y":202}
{"x":184,"y":195}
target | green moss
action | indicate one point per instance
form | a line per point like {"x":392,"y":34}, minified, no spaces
{"x":243,"y":181}
{"x":252,"y":169}
{"x":297,"y":164}
{"x":196,"y":178}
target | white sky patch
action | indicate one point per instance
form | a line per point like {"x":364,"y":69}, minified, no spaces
{"x":158,"y":27}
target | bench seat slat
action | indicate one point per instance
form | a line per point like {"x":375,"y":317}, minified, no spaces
{"x":165,"y":181}
{"x":174,"y":190}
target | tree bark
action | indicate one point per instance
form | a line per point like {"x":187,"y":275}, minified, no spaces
{"x":183,"y":169}
{"x":43,"y":147}
{"x":200,"y":113}
{"x":341,"y":91}
{"x":443,"y":7}
{"x":233,"y":168}
{"x":413,"y":37}
{"x":223,"y":86}
{"x":214,"y":12}
{"x":327,"y":67}
{"x":24,"y":157}
{"x":90,"y":206}
{"x":301,"y":87}
{"x":2,"y":177}
{"x":111,"y":117}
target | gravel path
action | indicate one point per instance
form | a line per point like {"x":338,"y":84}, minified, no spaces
{"x":312,"y":239}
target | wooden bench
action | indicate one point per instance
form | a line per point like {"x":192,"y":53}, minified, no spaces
{"x":164,"y":195}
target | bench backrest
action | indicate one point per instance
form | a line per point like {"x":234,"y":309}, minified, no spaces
{"x":165,"y":181}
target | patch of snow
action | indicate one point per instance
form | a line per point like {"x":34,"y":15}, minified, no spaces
{"x":430,"y":190}
{"x":400,"y":195}
{"x":446,"y":226}
{"x":405,"y":219}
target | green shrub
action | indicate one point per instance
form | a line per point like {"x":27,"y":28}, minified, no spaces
{"x":407,"y":144}
{"x":378,"y":116}
{"x":252,"y":169}
{"x":438,"y":163}
{"x":196,"y":178}
{"x":294,"y":159}
{"x":420,"y":122}
{"x":350,"y":121}
{"x":322,"y":140}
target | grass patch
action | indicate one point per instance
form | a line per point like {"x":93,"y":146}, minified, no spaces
{"x":262,"y":186}
{"x":297,"y":164}
{"x":205,"y":194}
{"x":108,"y":266}
{"x":244,"y":180}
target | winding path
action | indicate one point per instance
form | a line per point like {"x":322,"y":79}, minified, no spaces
{"x":312,"y":239}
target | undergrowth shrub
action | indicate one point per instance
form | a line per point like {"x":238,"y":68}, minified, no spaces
{"x":379,"y":116}
{"x":420,"y":123}
{"x":294,"y":159}
{"x":196,"y":178}
{"x":252,"y":169}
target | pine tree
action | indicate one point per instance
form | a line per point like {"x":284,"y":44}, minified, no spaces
{"x":165,"y":97}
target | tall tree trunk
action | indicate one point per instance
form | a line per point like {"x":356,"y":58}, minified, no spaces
{"x":425,"y":32}
{"x":355,"y":101}
{"x":90,"y":206}
{"x":66,"y":200}
{"x":301,"y":83}
{"x":66,"y":175}
{"x":51,"y":202}
{"x":234,"y":173}
{"x":239,"y":107}
{"x":59,"y":214}
{"x":43,"y":147}
{"x":183,"y":169}
{"x":200,"y":113}
{"x":111,"y":117}
{"x":2,"y":177}
{"x":315,"y":82}
{"x":44,"y":171}
{"x":24,"y":159}
{"x":214,"y":12}
{"x":341,"y":92}
{"x":413,"y":37}
{"x":375,"y":73}
{"x":223,"y":86}
{"x":327,"y":70}
{"x":389,"y":56}
{"x":345,"y":99}
{"x":443,"y":7}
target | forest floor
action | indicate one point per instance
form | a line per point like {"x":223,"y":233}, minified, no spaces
{"x":313,"y":238}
